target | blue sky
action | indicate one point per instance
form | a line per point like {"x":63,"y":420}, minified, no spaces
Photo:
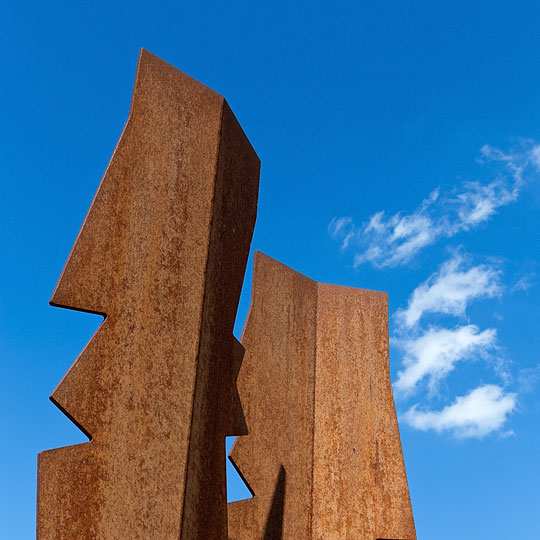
{"x":399,"y":148}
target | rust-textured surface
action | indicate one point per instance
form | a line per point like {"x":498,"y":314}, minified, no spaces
{"x":154,"y":389}
{"x":323,"y":455}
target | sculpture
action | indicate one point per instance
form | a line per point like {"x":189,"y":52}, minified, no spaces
{"x":155,"y":389}
{"x":162,"y":254}
{"x":323,"y":453}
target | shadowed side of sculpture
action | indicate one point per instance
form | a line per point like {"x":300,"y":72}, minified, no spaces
{"x":155,"y":388}
{"x":274,"y":523}
{"x":315,"y":387}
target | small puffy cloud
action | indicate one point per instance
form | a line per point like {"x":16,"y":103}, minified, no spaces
{"x":481,"y":412}
{"x":434,"y":354}
{"x":389,"y":241}
{"x":450,"y":290}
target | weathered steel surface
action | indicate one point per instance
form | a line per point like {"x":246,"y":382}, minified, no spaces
{"x":323,"y":454}
{"x":162,"y":252}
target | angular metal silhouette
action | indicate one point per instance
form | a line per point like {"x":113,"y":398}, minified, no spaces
{"x":323,"y":455}
{"x":161,"y":253}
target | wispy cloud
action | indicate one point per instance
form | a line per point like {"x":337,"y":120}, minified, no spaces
{"x":477,"y":203}
{"x":529,"y":379}
{"x":481,"y":412}
{"x":524,"y":284}
{"x":434,"y":354}
{"x":450,"y":290}
{"x":338,"y":225}
{"x":394,"y":240}
{"x":342,"y":228}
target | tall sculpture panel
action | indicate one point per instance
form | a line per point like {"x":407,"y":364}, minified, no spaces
{"x":323,"y":454}
{"x":161,"y":254}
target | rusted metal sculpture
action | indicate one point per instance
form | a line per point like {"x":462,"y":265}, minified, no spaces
{"x":161,"y":253}
{"x":323,"y":454}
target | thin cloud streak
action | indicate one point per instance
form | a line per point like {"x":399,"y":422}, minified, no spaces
{"x":524,"y":284}
{"x":481,"y":412}
{"x":337,"y":225}
{"x":395,"y":240}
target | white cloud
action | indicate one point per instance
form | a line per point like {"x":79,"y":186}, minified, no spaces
{"x":481,"y":412}
{"x":450,"y":290}
{"x":433,"y":355}
{"x":342,"y":227}
{"x":395,"y":240}
{"x":524,"y":284}
{"x":338,"y":224}
{"x":535,"y":157}
{"x":477,"y":203}
{"x":528,"y":379}
{"x":516,"y":161}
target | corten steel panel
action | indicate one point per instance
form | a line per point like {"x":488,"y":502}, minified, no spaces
{"x":161,"y":253}
{"x":323,"y":455}
{"x":276,"y":388}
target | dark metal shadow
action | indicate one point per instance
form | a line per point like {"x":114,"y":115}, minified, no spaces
{"x":274,"y":523}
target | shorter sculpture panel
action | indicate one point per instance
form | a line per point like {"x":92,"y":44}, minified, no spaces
{"x":323,"y":454}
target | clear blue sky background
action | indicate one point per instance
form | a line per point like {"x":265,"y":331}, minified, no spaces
{"x":354,"y":108}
